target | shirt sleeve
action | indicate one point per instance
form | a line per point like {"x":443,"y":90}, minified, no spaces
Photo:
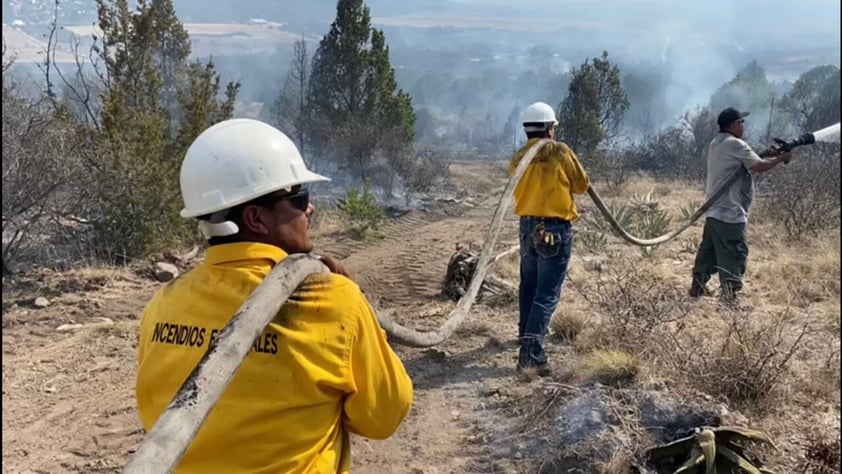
{"x":745,"y":154}
{"x":579,"y":182}
{"x":382,"y":390}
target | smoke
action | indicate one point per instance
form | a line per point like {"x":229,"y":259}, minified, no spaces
{"x":483,"y":59}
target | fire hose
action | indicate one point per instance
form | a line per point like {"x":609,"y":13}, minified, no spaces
{"x":165,"y":444}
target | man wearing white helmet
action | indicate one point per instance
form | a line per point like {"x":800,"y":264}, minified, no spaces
{"x":320,"y":371}
{"x":544,"y":202}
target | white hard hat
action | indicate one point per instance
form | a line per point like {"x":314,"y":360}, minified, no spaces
{"x":539,"y":112}
{"x":235,"y":161}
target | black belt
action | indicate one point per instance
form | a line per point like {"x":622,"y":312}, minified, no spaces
{"x":542,"y":218}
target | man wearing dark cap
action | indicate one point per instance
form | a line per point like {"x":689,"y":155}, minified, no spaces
{"x":723,"y":248}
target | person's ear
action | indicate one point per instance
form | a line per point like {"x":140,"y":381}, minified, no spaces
{"x":255,"y":219}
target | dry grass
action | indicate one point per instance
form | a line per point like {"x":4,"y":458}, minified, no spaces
{"x":775,"y":358}
{"x":633,"y":303}
{"x":328,"y":220}
{"x":745,"y":356}
{"x":620,"y":463}
{"x":508,"y":267}
{"x":609,"y":367}
{"x":780,"y":349}
{"x":49,"y":283}
{"x":799,"y":274}
{"x":475,"y":179}
{"x":671,"y":195}
{"x":568,"y":322}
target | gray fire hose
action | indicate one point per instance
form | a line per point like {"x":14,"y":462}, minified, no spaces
{"x":167,"y":441}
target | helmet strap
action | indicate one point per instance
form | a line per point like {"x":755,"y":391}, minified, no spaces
{"x":217,"y":225}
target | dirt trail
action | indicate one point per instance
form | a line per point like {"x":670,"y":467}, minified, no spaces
{"x":68,"y":402}
{"x":403,"y":273}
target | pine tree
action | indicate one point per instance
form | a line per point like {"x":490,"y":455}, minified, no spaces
{"x":594,"y":107}
{"x":578,"y":114}
{"x":154,"y":103}
{"x":360,"y":121}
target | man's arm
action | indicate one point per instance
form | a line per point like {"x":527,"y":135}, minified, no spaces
{"x":579,"y":182}
{"x":754,"y":162}
{"x":765,"y":164}
{"x":382,"y":392}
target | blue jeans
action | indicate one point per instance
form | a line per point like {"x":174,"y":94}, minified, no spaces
{"x":543,"y":267}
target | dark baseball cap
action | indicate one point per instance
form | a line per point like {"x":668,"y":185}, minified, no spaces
{"x":729,"y":116}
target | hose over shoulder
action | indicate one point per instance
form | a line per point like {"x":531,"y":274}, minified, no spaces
{"x":170,"y":437}
{"x":414,"y":338}
{"x":165,"y":444}
{"x":411,"y":337}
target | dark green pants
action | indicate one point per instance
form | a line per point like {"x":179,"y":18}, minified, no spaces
{"x":723,"y":250}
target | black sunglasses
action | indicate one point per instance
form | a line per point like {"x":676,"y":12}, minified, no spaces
{"x":299,"y":199}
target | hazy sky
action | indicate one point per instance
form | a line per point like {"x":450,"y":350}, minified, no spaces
{"x":750,"y":22}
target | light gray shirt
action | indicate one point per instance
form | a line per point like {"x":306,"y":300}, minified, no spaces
{"x":726,"y":155}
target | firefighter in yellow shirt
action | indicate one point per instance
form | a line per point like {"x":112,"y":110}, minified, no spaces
{"x":320,"y":371}
{"x":544,"y":203}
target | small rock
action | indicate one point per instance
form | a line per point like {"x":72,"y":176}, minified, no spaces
{"x":454,"y":414}
{"x":104,"y":320}
{"x":41,"y":302}
{"x":518,"y":455}
{"x":69,"y":327}
{"x":165,"y":272}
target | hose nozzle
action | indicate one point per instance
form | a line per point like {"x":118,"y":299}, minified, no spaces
{"x":787,"y":146}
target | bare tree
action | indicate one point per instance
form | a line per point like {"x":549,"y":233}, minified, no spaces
{"x":814,"y":100}
{"x":289,"y":111}
{"x":44,"y":175}
{"x":678,"y":151}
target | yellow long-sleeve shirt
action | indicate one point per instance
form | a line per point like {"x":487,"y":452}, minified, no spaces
{"x":547,"y":186}
{"x":320,"y":371}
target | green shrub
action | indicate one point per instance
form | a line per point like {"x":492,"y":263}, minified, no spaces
{"x":362,"y":209}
